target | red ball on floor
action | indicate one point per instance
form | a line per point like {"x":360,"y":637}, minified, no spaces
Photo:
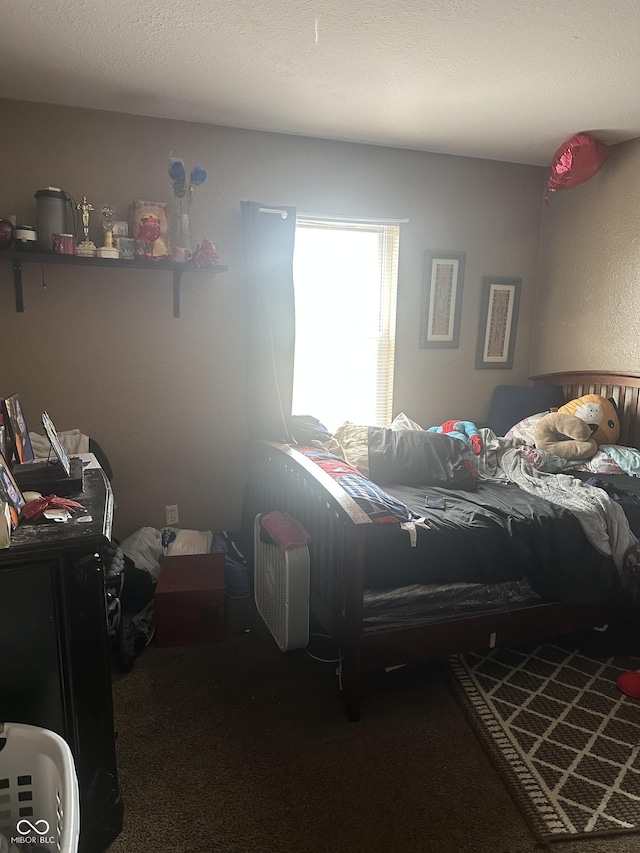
{"x":629,"y":683}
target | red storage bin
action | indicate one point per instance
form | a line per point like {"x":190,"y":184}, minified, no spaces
{"x":190,"y":600}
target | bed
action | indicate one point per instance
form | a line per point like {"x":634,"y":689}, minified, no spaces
{"x":385,"y":620}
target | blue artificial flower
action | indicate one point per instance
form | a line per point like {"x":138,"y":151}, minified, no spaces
{"x":198,"y":176}
{"x":178,"y":175}
{"x":177,"y":171}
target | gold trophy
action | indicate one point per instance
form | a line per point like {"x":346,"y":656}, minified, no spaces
{"x":108,"y":250}
{"x":86,"y":249}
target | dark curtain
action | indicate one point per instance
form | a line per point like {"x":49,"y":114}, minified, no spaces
{"x":268,"y":246}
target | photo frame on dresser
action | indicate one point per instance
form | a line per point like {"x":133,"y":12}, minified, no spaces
{"x":442,"y":291}
{"x":498,"y":322}
{"x":10,"y":492}
{"x":18,"y":444}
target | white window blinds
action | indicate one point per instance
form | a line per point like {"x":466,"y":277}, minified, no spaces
{"x":345,"y":280}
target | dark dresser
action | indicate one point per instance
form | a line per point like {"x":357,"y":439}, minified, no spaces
{"x":54,"y":652}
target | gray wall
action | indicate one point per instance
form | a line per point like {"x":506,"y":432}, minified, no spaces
{"x":165,"y":397}
{"x":588,"y":314}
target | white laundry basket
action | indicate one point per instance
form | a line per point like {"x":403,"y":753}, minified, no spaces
{"x":39,"y":800}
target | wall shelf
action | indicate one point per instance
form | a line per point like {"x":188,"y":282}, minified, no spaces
{"x":19,"y":258}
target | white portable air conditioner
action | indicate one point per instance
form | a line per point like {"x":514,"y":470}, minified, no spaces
{"x":281,"y":591}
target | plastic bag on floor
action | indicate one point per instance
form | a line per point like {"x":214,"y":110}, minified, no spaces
{"x":130,"y":578}
{"x":136,"y":617}
{"x":144,"y":548}
{"x":135,"y":632}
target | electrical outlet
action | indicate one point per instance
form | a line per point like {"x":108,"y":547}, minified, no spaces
{"x":171,"y":515}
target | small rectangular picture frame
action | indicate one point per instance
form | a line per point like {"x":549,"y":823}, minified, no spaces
{"x":442,"y":291}
{"x":19,"y":433}
{"x":10,"y":492}
{"x":498,"y":322}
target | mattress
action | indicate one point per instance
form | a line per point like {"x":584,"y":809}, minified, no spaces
{"x":493,"y":535}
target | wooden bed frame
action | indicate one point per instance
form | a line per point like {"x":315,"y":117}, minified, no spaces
{"x":282,"y":478}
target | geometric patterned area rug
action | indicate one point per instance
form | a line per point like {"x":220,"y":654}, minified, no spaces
{"x":565,"y":740}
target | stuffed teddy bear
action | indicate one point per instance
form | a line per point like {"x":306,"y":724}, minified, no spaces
{"x":600,"y":413}
{"x":464,"y":430}
{"x":564,"y":435}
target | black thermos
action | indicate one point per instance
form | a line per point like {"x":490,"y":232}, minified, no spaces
{"x":51,"y":209}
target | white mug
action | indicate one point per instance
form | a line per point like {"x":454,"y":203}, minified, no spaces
{"x":179,"y":255}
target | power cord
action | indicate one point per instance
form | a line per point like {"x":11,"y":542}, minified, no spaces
{"x":323,"y":660}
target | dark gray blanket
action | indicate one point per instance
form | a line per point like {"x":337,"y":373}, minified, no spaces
{"x":419,"y":458}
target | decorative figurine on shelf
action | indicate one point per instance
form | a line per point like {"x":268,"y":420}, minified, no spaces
{"x":86,"y":249}
{"x":206,"y":254}
{"x":149,"y":223}
{"x":108,"y":250}
{"x":149,"y":235}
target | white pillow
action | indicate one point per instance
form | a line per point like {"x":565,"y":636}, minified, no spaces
{"x":403,"y":421}
{"x":525,"y":428}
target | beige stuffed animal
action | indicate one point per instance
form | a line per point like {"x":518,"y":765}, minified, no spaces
{"x":600,"y":413}
{"x":564,"y":435}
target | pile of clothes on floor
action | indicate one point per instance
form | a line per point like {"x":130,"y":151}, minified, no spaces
{"x":132,"y":571}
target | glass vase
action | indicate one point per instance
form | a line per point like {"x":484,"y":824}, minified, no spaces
{"x":181,"y":226}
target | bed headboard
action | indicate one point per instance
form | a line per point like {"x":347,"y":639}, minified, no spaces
{"x":623,"y":387}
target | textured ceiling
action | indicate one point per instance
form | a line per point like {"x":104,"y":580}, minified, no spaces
{"x":500,"y":79}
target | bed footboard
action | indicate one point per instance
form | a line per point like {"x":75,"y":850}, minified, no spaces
{"x":281,"y":478}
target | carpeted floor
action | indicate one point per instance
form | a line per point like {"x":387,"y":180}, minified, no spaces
{"x":239,"y":748}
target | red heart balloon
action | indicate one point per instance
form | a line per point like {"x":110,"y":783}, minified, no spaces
{"x":577,"y":160}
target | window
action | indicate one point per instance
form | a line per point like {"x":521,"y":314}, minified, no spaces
{"x":345,"y":280}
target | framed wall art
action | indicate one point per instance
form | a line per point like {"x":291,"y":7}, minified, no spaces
{"x":442,"y":299}
{"x":498,"y":322}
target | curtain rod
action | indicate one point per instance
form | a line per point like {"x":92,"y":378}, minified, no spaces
{"x":369,"y":219}
{"x":324,"y":218}
{"x":283,"y":213}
